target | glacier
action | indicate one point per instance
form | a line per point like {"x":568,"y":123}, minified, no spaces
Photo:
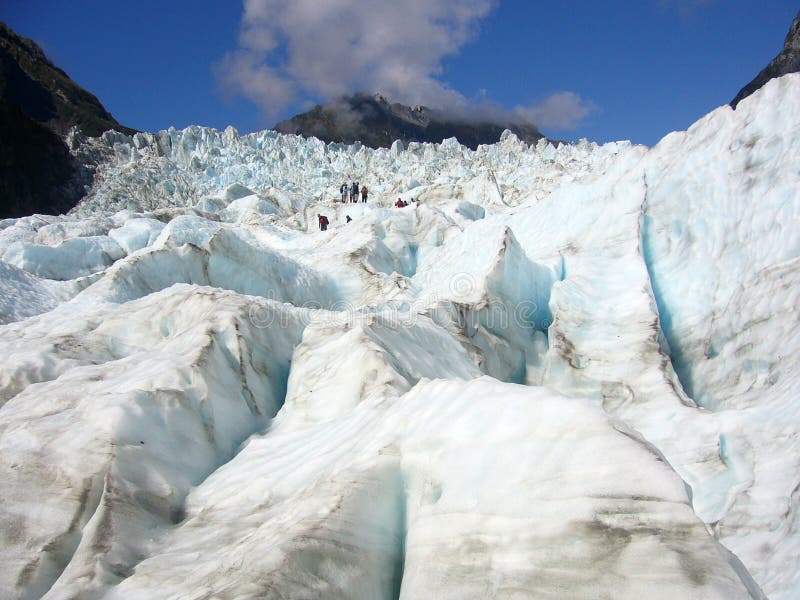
{"x":565,"y":370}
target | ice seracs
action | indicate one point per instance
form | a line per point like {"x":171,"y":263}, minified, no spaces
{"x":176,"y":168}
{"x":560,"y":371}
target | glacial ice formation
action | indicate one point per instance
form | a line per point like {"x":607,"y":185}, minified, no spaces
{"x":559,"y":372}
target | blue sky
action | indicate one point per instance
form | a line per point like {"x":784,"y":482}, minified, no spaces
{"x":602,"y":70}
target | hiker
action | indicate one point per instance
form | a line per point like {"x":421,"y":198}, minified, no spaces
{"x":364,"y":192}
{"x":343,"y":192}
{"x":354,"y":192}
{"x":348,"y":218}
{"x":323,"y":223}
{"x":400,"y":203}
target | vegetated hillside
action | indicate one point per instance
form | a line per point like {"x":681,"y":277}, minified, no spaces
{"x":45,"y":93}
{"x":788,"y":61}
{"x":39,"y":104}
{"x":377,"y":123}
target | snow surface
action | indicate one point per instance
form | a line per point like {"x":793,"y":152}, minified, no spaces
{"x":560,"y":372}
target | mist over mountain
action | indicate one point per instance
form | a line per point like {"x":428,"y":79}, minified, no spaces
{"x":376,"y":122}
{"x":787,"y":61}
{"x":39,"y":104}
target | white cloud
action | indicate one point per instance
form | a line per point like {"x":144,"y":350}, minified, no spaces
{"x":324,"y":49}
{"x":243,"y":73}
{"x":562,"y":111}
{"x":291,"y":51}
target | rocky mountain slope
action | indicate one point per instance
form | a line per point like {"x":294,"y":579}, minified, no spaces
{"x":39,"y":104}
{"x":788,"y":61}
{"x":45,"y":93}
{"x":377,"y":123}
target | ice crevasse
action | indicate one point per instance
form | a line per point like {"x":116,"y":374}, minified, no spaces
{"x":562,"y":371}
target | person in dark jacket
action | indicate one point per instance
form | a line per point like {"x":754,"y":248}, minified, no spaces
{"x":364,"y":192}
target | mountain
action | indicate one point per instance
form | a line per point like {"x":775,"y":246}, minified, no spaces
{"x":377,"y":123}
{"x":788,"y":61}
{"x":45,"y":93}
{"x":39,"y":104}
{"x":37,"y":172}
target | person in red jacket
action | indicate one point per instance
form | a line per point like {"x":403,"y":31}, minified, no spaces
{"x":323,"y":223}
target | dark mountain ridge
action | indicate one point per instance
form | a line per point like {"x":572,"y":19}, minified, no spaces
{"x":39,"y":104}
{"x":377,"y":123}
{"x":787,"y":61}
{"x":45,"y":93}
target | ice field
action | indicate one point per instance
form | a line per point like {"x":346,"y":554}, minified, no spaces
{"x":561,"y":372}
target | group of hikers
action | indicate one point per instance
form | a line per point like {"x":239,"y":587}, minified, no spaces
{"x":353,"y":192}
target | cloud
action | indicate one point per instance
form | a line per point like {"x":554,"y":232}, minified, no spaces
{"x":244,"y":73}
{"x":562,"y":111}
{"x":324,"y":49}
{"x":293,"y":51}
